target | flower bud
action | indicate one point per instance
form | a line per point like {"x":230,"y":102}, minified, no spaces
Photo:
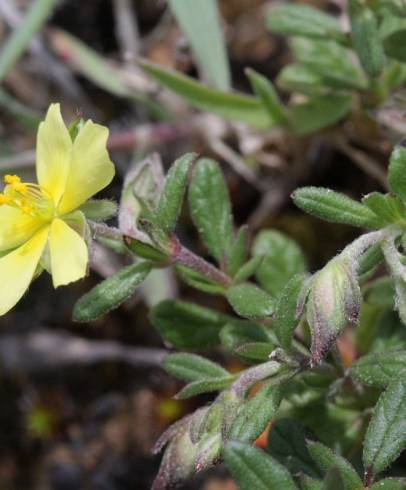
{"x":334,"y":300}
{"x":180,"y":455}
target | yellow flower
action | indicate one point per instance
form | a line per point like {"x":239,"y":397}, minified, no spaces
{"x":37,"y":220}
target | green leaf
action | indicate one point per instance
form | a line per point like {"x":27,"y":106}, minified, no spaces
{"x":171,"y":200}
{"x":308,"y":483}
{"x":93,"y":66}
{"x":389,"y":334}
{"x":393,"y":35}
{"x":287,"y":444}
{"x":238,"y":251}
{"x":248,"y":269}
{"x":144,"y":250}
{"x":334,"y":206}
{"x":200,"y":21}
{"x":111,"y":292}
{"x":303,"y":20}
{"x":266,"y":92}
{"x":285,"y":320}
{"x":326,"y":459}
{"x":198,"y":281}
{"x":250,"y":301}
{"x":99,"y":209}
{"x":211,"y":208}
{"x":257,"y":351}
{"x":187,"y":326}
{"x":244,"y":108}
{"x":390,"y":484}
{"x":255,"y":414}
{"x":37,"y":14}
{"x":253,"y":469}
{"x":205,"y":386}
{"x":390,"y":209}
{"x":386,"y":434}
{"x":239,"y":333}
{"x":319,"y":112}
{"x":365,"y":37}
{"x":191,"y":367}
{"x":370,"y":259}
{"x":397,"y":171}
{"x":380,"y":292}
{"x":299,"y":78}
{"x":283,"y":258}
{"x":333,"y":480}
{"x":329,"y":60}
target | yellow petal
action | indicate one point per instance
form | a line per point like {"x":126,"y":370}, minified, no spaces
{"x":91,"y":169}
{"x":54,"y":146}
{"x":16,"y":227}
{"x":69,"y":254}
{"x":17,"y":270}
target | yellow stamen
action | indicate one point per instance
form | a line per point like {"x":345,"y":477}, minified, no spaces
{"x":30,"y":198}
{"x":12,"y":179}
{"x":4,"y":199}
{"x":26,"y":209}
{"x":21,"y":188}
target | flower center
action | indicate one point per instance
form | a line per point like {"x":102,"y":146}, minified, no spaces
{"x":31,"y":199}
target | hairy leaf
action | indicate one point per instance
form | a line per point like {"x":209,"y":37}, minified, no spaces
{"x":170,"y":202}
{"x":333,"y":206}
{"x":326,"y":459}
{"x":111,"y":292}
{"x":253,"y":469}
{"x":210,"y":207}
{"x":380,"y":368}
{"x":287,"y":444}
{"x":386,"y":434}
{"x":250,"y":301}
{"x":285,"y":320}
{"x":254,"y":416}
{"x":283,"y":258}
{"x":191,"y":367}
{"x":186,"y":325}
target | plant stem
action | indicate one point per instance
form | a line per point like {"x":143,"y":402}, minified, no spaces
{"x":186,"y":257}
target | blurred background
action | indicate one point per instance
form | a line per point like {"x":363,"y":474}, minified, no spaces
{"x":81,"y":405}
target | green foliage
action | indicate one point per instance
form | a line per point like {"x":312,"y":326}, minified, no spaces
{"x":111,"y":292}
{"x":99,"y":209}
{"x":229,"y":105}
{"x":186,"y":325}
{"x":255,"y":414}
{"x":250,"y":301}
{"x":386,"y":434}
{"x":266,"y":92}
{"x":283,"y":258}
{"x":296,"y":383}
{"x":191,"y":367}
{"x":303,"y":20}
{"x":171,"y":199}
{"x":335,"y":207}
{"x":200,"y":21}
{"x":365,"y":36}
{"x":211,"y":209}
{"x":327,"y":460}
{"x":397,"y":174}
{"x":319,"y":112}
{"x":287,"y":444}
{"x":254,"y":469}
{"x":285,"y":318}
{"x":380,"y":369}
